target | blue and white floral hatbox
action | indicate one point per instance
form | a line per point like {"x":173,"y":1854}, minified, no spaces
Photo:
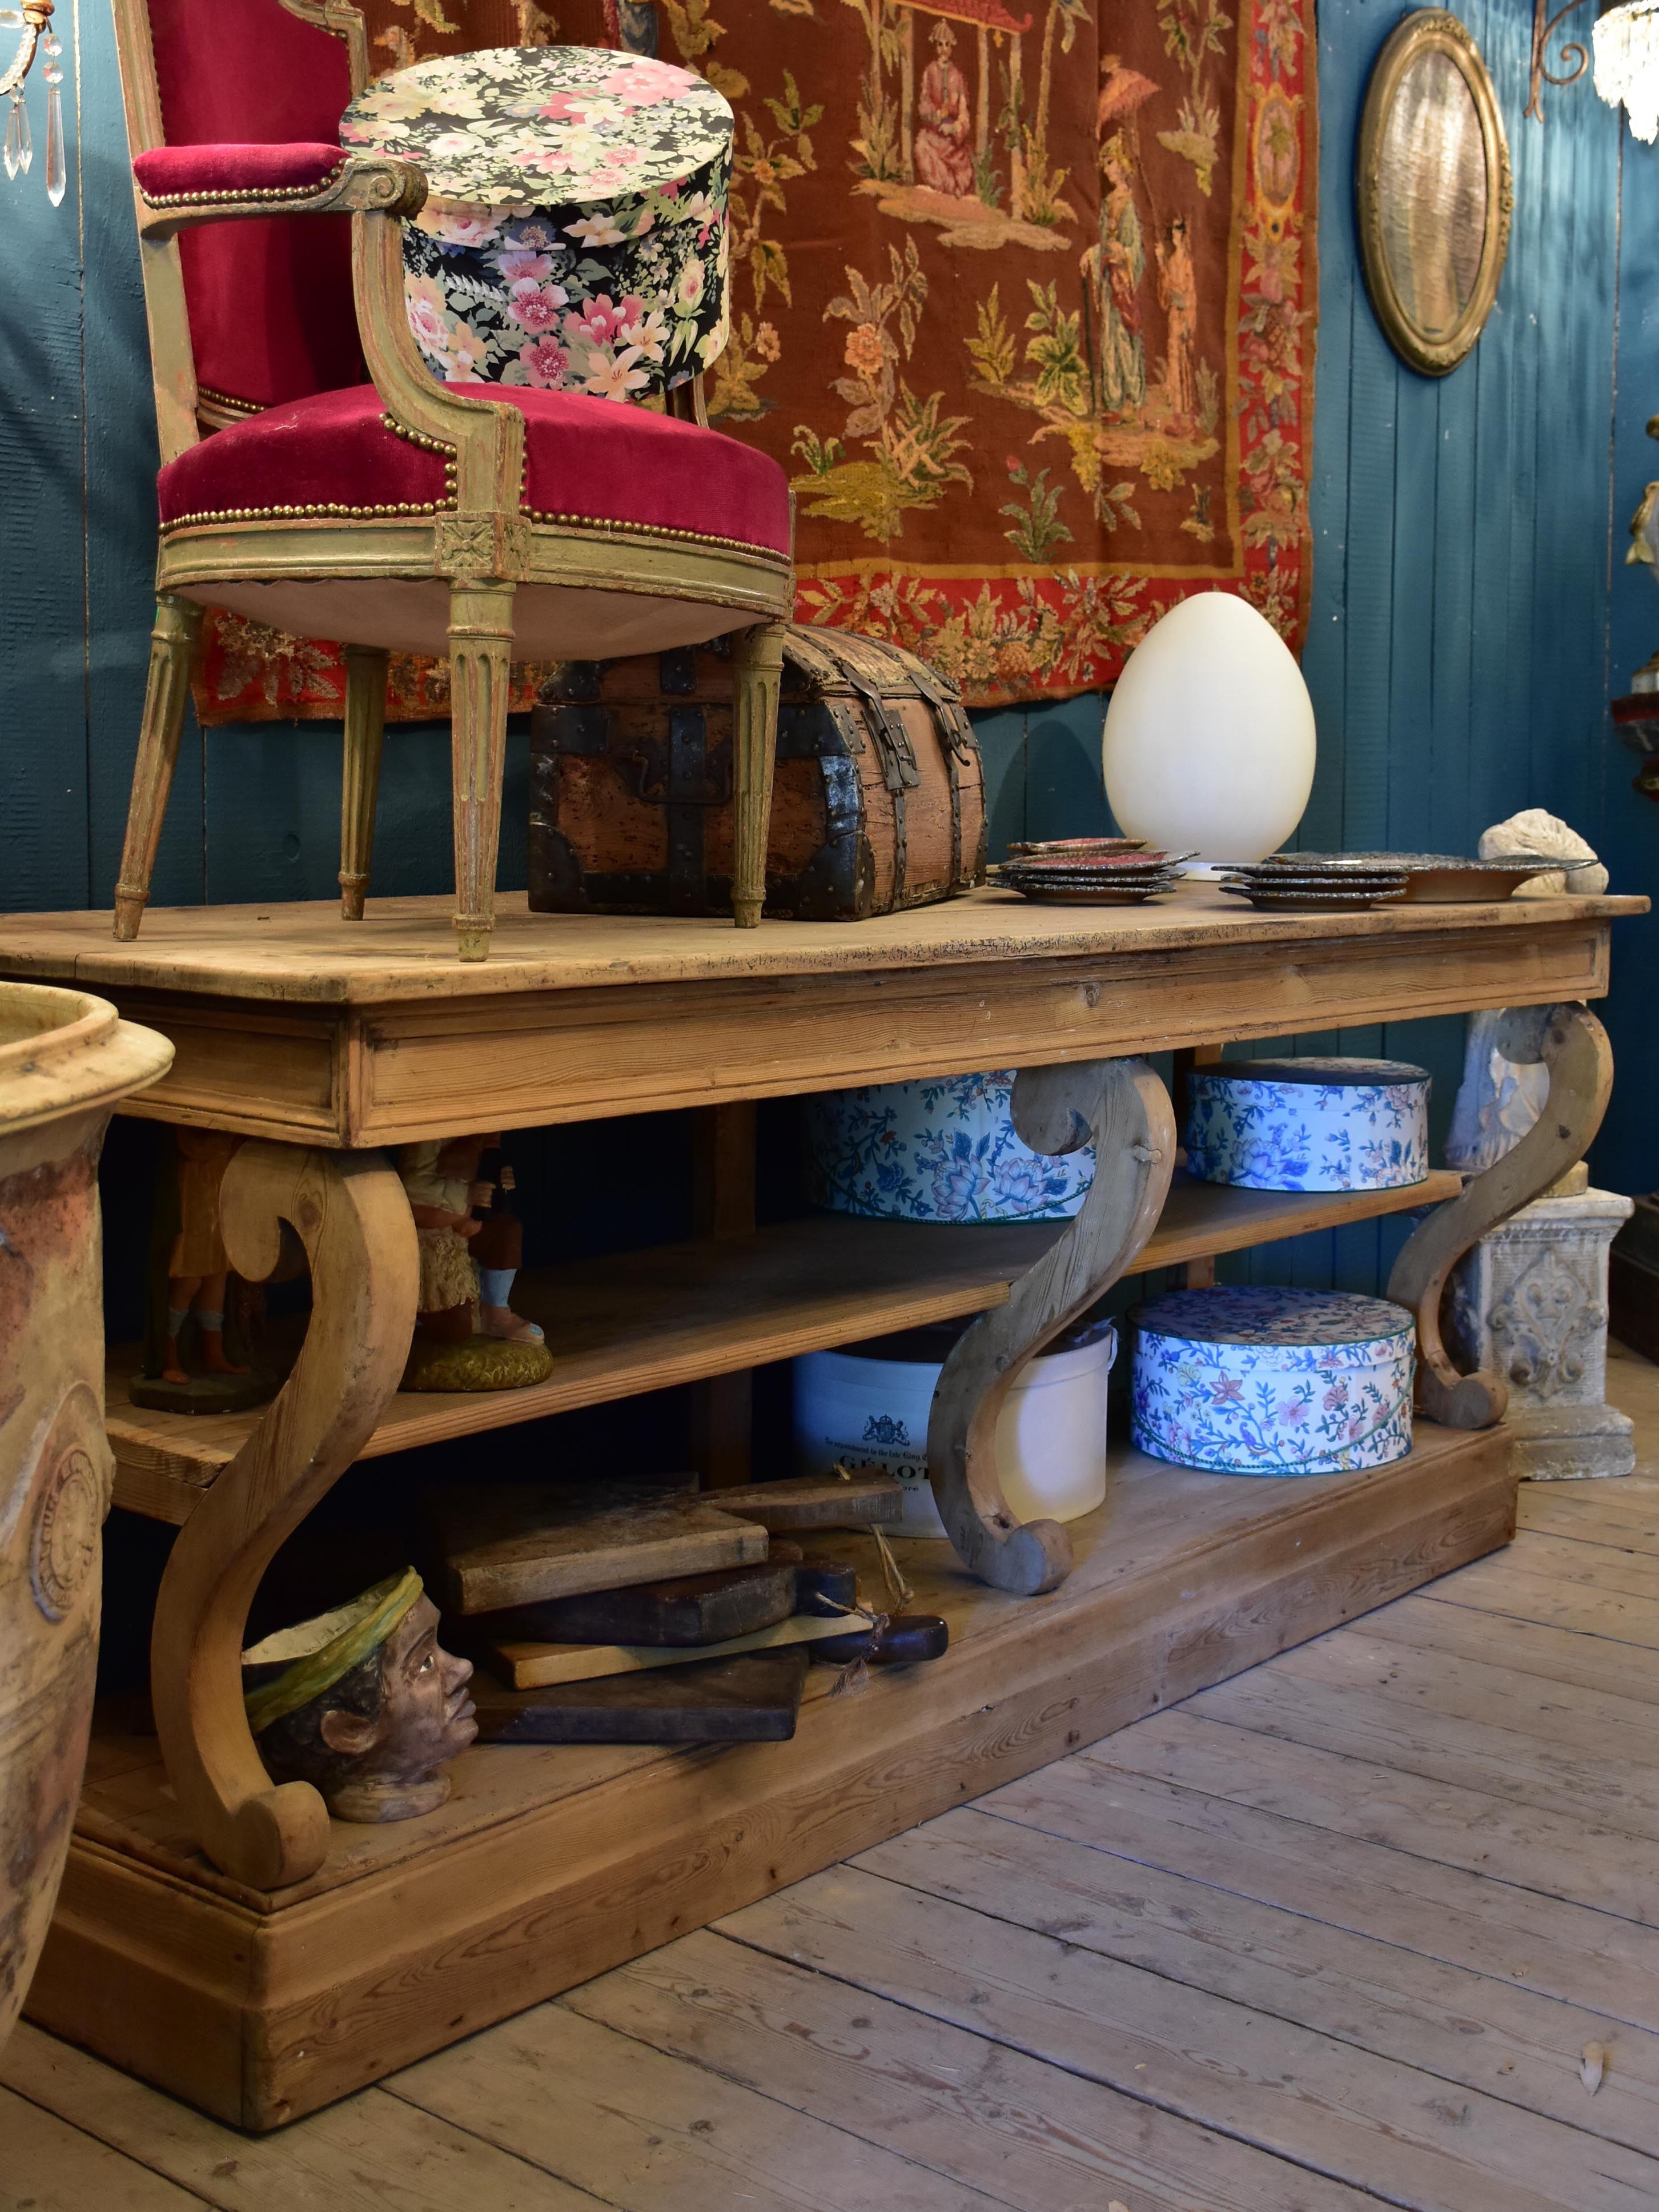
{"x":1309,"y":1124}
{"x":1273,"y":1381}
{"x":940,"y":1150}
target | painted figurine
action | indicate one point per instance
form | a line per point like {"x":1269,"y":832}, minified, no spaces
{"x":191,"y":1364}
{"x":469,"y":1254}
{"x":363,"y":1703}
{"x":198,"y":1266}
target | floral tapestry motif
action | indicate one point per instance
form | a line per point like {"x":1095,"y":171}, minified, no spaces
{"x":1022,"y":296}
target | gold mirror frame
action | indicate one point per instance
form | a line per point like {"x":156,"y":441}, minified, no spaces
{"x":1432,"y":30}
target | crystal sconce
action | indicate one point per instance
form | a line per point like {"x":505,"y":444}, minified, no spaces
{"x":34,"y":19}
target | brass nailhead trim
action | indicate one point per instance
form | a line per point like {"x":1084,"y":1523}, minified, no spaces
{"x":619,"y":528}
{"x":294,"y":513}
{"x":232,"y":194}
{"x":224,"y":400}
{"x":590,"y":524}
{"x":584,"y":524}
{"x":416,"y":437}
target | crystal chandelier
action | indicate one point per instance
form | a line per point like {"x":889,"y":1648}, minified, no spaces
{"x":34,"y":19}
{"x":1627,"y":43}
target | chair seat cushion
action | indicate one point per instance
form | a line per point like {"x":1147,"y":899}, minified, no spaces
{"x":587,"y":460}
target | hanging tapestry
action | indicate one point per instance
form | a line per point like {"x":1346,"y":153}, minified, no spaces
{"x":1023,"y":298}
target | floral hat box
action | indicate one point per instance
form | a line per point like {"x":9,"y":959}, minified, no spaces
{"x":1309,"y":1124}
{"x":942,"y":1149}
{"x":576,"y":236}
{"x":1273,"y":1381}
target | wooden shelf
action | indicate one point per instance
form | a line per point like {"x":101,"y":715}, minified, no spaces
{"x":678,"y":1313}
{"x":552,"y":1863}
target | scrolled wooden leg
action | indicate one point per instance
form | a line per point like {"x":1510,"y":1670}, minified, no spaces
{"x":1573,"y":1045}
{"x":350,"y":1213}
{"x":172,"y":648}
{"x":480,"y":656}
{"x":758,"y":679}
{"x":1120,"y":1105}
{"x":359,"y":779}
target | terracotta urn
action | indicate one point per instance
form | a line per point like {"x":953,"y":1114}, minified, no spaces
{"x":66,"y":1060}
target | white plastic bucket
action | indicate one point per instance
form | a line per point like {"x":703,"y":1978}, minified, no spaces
{"x":872,"y":1412}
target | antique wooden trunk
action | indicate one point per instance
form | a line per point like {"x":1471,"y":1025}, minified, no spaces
{"x":878,"y":802}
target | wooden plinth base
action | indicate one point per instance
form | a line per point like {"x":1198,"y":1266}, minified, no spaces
{"x":551,"y":1864}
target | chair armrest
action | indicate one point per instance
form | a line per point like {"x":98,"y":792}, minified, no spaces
{"x":179,"y":186}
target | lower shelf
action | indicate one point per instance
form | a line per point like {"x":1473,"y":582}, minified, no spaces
{"x":678,"y":1313}
{"x":549,"y":1865}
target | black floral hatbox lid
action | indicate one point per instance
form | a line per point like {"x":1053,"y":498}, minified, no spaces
{"x":575,"y":236}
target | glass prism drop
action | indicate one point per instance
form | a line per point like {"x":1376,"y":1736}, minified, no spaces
{"x":56,"y":172}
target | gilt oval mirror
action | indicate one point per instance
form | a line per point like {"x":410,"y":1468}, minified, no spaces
{"x":1434,"y":192}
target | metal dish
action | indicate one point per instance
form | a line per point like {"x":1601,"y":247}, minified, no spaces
{"x":1293,"y":900}
{"x":1030,"y":886}
{"x":1089,"y":863}
{"x":1062,"y":846}
{"x":1093,"y":894}
{"x":1444,"y":878}
{"x":1319,"y":879}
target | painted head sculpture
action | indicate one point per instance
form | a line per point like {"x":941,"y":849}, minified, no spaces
{"x":363,"y":1703}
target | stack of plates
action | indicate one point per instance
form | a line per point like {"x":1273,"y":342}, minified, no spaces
{"x":1301,"y":883}
{"x":1095,"y":878}
{"x":1444,"y":878}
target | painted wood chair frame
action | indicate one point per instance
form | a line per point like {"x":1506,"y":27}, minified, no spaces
{"x":484,"y":545}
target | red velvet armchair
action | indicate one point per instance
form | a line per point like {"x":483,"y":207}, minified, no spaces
{"x":395,"y":513}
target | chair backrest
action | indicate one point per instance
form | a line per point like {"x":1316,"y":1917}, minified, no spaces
{"x":269,"y":301}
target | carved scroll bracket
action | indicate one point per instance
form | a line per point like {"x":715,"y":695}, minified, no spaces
{"x":1122,"y":1107}
{"x":1573,"y":1045}
{"x":352,"y":1216}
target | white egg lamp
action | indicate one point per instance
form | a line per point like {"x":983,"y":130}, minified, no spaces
{"x":1209,"y":739}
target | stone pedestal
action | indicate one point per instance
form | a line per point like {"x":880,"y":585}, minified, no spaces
{"x":1530,"y":1303}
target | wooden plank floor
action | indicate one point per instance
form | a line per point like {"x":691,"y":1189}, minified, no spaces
{"x":1334,"y":1934}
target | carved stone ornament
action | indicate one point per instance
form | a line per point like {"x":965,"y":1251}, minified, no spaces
{"x":1530,"y":1302}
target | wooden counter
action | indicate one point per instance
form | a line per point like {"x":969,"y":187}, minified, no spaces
{"x":288,"y":1023}
{"x":222,"y":1937}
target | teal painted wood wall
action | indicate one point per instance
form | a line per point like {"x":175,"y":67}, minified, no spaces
{"x":1468,"y":605}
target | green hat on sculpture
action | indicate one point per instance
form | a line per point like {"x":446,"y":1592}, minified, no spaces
{"x":362,"y":1703}
{"x":314,"y":1655}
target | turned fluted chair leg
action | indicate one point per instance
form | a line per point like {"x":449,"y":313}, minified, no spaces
{"x":360,"y":783}
{"x":1121,"y":1108}
{"x":480,"y":657}
{"x":757,"y":659}
{"x":172,"y":648}
{"x":1573,"y":1045}
{"x":353,"y":1218}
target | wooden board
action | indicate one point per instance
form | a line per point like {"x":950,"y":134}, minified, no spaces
{"x":750,"y":1700}
{"x":682,"y":1609}
{"x":674,"y":1314}
{"x":289,"y":1022}
{"x":261,"y":2007}
{"x":505,"y":1545}
{"x":525,"y":1666}
{"x":501,"y":1545}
